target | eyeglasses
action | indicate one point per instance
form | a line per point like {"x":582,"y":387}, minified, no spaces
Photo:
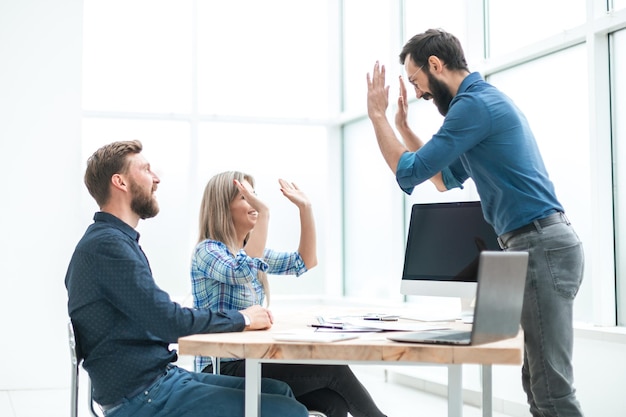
{"x":414,"y":84}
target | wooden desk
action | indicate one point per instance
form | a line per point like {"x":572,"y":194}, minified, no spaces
{"x":371,"y":348}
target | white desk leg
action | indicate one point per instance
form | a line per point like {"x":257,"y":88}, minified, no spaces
{"x":487,"y":391}
{"x":455,"y":391}
{"x":253,"y":388}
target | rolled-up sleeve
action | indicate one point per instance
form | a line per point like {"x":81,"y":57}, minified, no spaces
{"x":450,"y":180}
{"x":404,"y":172}
{"x":413,"y":170}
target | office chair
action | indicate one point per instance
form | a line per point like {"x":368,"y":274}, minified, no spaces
{"x":76,"y":361}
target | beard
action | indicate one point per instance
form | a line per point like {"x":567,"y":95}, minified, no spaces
{"x":143,"y":203}
{"x":440,"y":93}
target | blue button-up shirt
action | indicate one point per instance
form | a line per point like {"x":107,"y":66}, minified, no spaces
{"x":486,"y":137}
{"x":123,"y":320}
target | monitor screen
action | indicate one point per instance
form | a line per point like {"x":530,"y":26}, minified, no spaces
{"x":443,"y":244}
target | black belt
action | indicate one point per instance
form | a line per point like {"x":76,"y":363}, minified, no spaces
{"x":537,"y":225}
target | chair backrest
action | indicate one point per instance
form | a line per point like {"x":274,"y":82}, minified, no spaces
{"x":76,"y":358}
{"x":75,"y":371}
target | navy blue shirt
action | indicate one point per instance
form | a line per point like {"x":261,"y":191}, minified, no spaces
{"x":486,"y":137}
{"x":124,"y":322}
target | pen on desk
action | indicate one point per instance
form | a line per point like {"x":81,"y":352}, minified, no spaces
{"x":327,"y":326}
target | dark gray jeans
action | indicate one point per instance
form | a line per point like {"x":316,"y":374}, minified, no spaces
{"x":555,"y":271}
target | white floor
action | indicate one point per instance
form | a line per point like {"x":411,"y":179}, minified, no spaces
{"x":395,"y":400}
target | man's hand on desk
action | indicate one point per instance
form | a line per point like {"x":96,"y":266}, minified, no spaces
{"x":260,"y":318}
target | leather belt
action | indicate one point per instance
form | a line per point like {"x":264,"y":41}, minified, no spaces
{"x":535,"y":225}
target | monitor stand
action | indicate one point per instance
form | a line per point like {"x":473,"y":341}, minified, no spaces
{"x":467,"y":309}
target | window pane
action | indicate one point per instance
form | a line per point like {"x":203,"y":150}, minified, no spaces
{"x":269,"y":152}
{"x":264,"y":58}
{"x":167,"y":238}
{"x":368,"y":36}
{"x":515,"y":24}
{"x":560,"y":125}
{"x":418,"y":18}
{"x":619,"y":139}
{"x":619,"y":4}
{"x":373,"y":224}
{"x":137,"y":55}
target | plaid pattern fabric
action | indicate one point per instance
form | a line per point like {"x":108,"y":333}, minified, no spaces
{"x":221,"y":281}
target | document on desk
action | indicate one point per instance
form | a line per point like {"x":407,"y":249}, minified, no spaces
{"x":430,"y":317}
{"x":366,"y":324}
{"x":344,"y":328}
{"x":340,"y":325}
{"x":399,"y":325}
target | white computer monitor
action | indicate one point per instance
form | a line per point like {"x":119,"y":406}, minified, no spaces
{"x":443,"y":244}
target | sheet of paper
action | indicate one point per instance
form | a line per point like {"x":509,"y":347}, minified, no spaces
{"x":345,"y":327}
{"x":396,"y":325}
{"x":429,"y":317}
{"x":359,"y":323}
{"x":340,"y":324}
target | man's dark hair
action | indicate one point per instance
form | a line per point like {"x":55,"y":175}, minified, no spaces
{"x":439,"y":43}
{"x":104,"y":163}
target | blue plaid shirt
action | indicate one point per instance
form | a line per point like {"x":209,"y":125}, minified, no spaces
{"x":221,"y":281}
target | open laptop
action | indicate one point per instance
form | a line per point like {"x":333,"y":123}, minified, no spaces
{"x":499,"y":298}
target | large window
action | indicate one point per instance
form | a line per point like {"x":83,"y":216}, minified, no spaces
{"x":277,"y":88}
{"x":212,"y":86}
{"x":559,"y":125}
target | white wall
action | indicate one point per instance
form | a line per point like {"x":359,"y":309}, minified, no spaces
{"x":40,"y":179}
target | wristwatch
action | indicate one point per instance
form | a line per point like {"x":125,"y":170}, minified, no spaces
{"x":246,"y":320}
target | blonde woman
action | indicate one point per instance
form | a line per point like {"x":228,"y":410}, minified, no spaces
{"x":229,"y":271}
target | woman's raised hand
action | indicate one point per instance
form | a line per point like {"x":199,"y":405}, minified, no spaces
{"x":293,"y":193}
